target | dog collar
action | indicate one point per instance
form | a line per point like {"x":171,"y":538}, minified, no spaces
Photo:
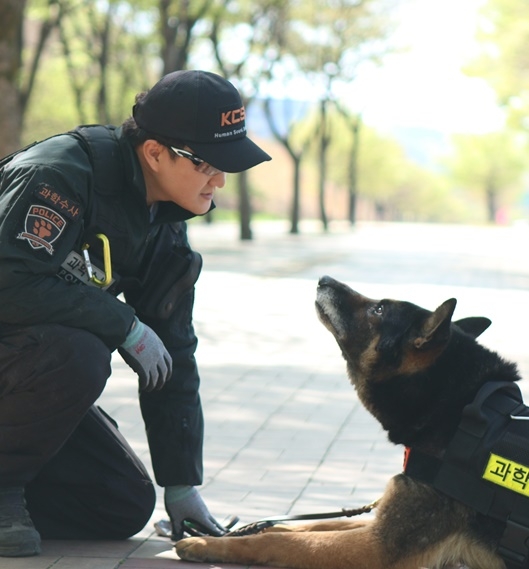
{"x":422,"y":466}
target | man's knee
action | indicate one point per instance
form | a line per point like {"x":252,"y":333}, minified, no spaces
{"x":105,"y":512}
{"x":67,"y":362}
{"x":86,"y":362}
{"x":136,"y":512}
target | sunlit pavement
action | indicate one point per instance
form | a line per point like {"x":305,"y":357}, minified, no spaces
{"x":285,"y":433}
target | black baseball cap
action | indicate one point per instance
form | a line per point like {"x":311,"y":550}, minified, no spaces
{"x":205,"y":111}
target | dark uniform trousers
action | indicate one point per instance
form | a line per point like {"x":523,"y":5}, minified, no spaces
{"x":82,"y":479}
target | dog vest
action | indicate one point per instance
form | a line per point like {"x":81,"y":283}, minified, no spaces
{"x":486,"y":466}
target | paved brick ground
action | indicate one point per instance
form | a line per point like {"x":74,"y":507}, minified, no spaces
{"x":284,"y":430}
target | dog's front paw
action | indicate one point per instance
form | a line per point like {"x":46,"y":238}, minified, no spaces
{"x":192,"y":549}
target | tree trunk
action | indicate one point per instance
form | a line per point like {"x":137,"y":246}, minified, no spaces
{"x":491,"y":203}
{"x":176,"y":26}
{"x":353,"y":171}
{"x":245,"y":208}
{"x":324,"y":141}
{"x":11,"y":19}
{"x":295,"y":214}
{"x":103,"y":112}
{"x":352,"y":205}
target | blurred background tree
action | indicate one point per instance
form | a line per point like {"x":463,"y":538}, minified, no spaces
{"x":66,"y":62}
{"x":490,"y":165}
{"x":503,"y":60}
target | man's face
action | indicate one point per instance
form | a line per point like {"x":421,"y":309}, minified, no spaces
{"x":175,"y":179}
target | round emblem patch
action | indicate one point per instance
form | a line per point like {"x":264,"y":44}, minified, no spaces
{"x":42,"y":227}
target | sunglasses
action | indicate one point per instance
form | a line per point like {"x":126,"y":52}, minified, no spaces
{"x":200,"y":165}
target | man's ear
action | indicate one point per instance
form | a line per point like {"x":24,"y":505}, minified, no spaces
{"x":436,"y":328}
{"x":150,"y":151}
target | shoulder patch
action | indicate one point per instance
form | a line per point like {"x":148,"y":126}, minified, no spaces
{"x":42,"y":227}
{"x":63,"y":205}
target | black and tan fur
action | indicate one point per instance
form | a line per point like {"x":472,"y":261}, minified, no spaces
{"x":414,"y":370}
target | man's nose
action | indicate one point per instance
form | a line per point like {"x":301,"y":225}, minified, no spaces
{"x":218,"y":180}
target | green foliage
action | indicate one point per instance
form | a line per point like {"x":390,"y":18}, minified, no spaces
{"x":490,"y":165}
{"x":52,"y":108}
{"x":382,"y":160}
{"x":504,"y":57}
{"x":478,"y":160}
{"x":105,"y":52}
{"x":101,"y":48}
{"x":386,"y":176}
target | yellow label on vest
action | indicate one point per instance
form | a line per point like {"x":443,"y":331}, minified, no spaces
{"x":507,"y":473}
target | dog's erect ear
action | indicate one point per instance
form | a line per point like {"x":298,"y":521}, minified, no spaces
{"x":473,"y":325}
{"x":436,"y":328}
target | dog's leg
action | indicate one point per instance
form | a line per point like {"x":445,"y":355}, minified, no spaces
{"x":357,"y":549}
{"x":320,"y":526}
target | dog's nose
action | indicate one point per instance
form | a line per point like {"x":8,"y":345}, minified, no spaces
{"x":326,"y":280}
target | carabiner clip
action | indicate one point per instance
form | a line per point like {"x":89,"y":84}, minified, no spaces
{"x":106,"y":259}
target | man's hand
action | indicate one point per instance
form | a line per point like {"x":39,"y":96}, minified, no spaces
{"x":145,"y":353}
{"x":185,"y":503}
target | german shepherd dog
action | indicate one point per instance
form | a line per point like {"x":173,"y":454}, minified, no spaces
{"x":414,"y":370}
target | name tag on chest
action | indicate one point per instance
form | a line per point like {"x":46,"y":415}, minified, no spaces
{"x":73,"y":270}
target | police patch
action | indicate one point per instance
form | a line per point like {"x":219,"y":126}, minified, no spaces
{"x":42,"y":227}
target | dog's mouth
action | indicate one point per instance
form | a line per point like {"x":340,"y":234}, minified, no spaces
{"x":326,"y":307}
{"x":322,"y":315}
{"x":326,"y":320}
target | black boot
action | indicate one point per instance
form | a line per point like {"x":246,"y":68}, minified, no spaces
{"x":18,"y":536}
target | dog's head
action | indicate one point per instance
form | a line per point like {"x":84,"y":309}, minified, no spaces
{"x":413,"y":369}
{"x":383,"y":338}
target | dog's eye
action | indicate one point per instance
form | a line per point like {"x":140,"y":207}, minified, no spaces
{"x":378,"y":309}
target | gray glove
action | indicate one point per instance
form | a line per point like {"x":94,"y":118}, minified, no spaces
{"x":185,"y":503}
{"x":145,"y":353}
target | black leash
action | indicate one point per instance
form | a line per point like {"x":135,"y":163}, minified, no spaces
{"x":193,"y":528}
{"x":343,"y":513}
